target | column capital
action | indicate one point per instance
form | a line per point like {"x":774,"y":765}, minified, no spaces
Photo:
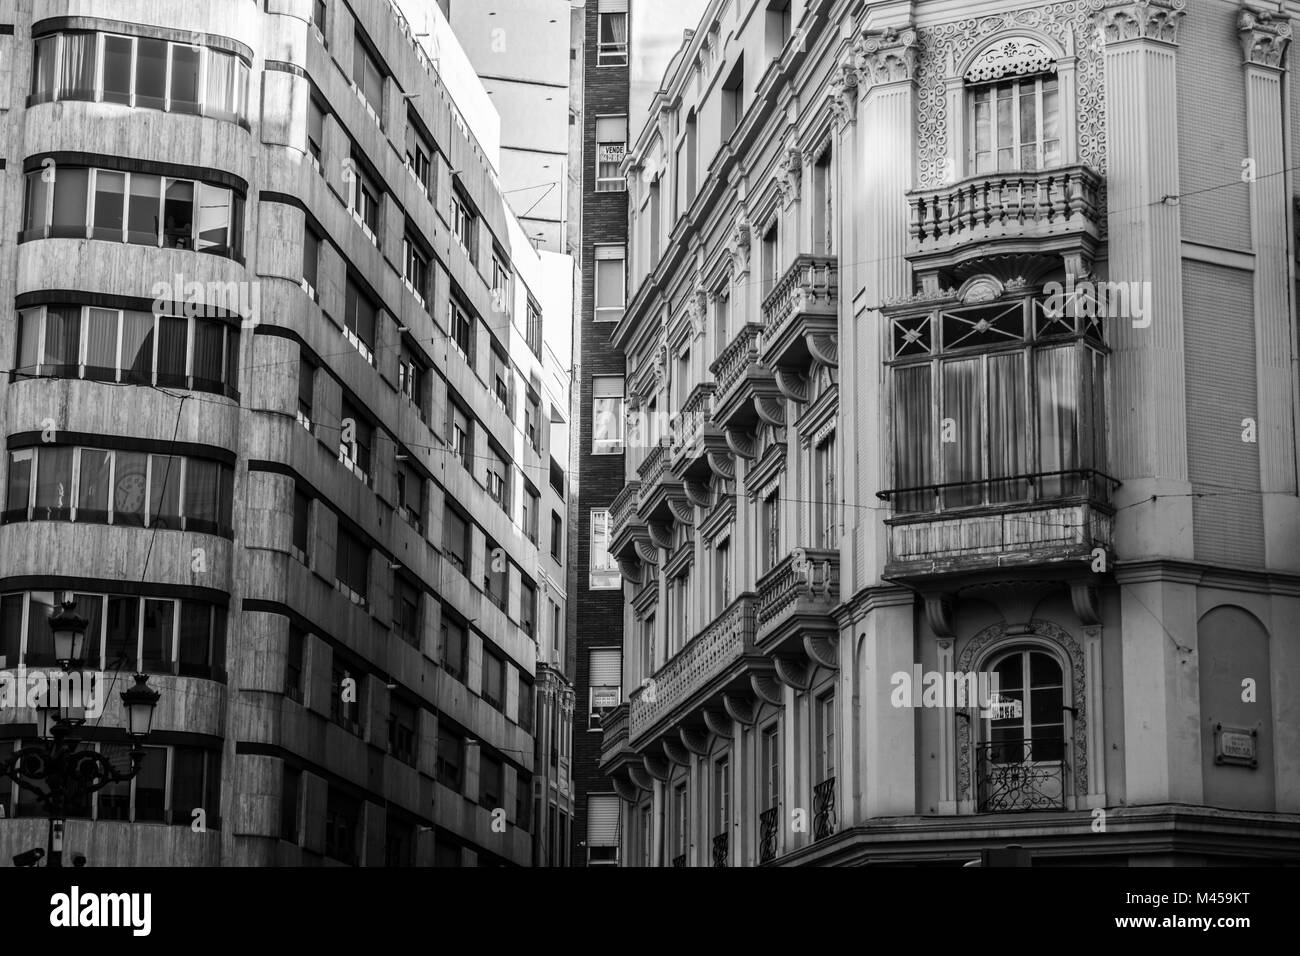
{"x":888,"y":56}
{"x":842,"y":93}
{"x":1141,"y":20}
{"x":1265,"y":39}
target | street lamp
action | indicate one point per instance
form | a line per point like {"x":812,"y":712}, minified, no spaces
{"x":54,"y":770}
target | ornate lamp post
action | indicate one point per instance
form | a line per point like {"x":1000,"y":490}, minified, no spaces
{"x":55,"y":771}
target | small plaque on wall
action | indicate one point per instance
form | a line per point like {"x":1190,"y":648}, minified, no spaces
{"x":1236,"y":745}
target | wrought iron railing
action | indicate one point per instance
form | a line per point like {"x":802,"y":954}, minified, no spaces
{"x":679,"y":860}
{"x":1012,"y":489}
{"x":1021,"y":775}
{"x":720,"y":850}
{"x":767,"y":835}
{"x":824,"y":809}
{"x":740,"y":353}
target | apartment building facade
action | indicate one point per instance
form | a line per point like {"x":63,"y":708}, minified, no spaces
{"x":280,"y":424}
{"x":962,"y":509}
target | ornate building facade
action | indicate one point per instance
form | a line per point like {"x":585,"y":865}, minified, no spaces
{"x":963,"y":507}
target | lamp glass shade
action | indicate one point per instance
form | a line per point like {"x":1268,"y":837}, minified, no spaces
{"x":139,"y":702}
{"x":69,"y":629}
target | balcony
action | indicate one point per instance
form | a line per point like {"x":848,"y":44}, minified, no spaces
{"x":800,"y":316}
{"x":1045,"y":518}
{"x":1008,"y":213}
{"x":716,"y":660}
{"x":824,"y":809}
{"x":697,"y":435}
{"x":767,"y":833}
{"x":720,"y":849}
{"x":741,"y":378}
{"x":614,"y":749}
{"x":1020,"y":775}
{"x":660,"y":489}
{"x":626,"y":526}
{"x":795,"y":599}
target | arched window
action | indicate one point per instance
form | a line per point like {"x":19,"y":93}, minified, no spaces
{"x":1014,"y":108}
{"x":1021,"y":756}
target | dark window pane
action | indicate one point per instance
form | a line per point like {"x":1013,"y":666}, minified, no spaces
{"x":151,"y":786}
{"x":11,"y":629}
{"x":301,"y":519}
{"x":142,"y":214}
{"x":122,"y":633}
{"x":53,"y":484}
{"x":289,"y":786}
{"x":78,"y":81}
{"x":209,"y":348}
{"x":172,"y":335}
{"x":187,"y":784}
{"x":185,"y":78}
{"x":69,"y":221}
{"x":18,"y":496}
{"x":137,"y":347}
{"x":62,"y":341}
{"x":159,"y":617}
{"x":101,"y":344}
{"x":117,"y":69}
{"x":151,"y":74}
{"x":35,"y":203}
{"x":43,"y":62}
{"x":110,"y":206}
{"x":91,"y":607}
{"x":40,"y":639}
{"x":214,"y":219}
{"x":178,"y":214}
{"x":165,"y":491}
{"x":93,"y":486}
{"x":195,"y":639}
{"x":201,"y":486}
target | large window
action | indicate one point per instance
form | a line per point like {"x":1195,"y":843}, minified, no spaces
{"x":356,"y":438}
{"x":461,"y":325}
{"x":604,"y":575}
{"x":352,"y":571}
{"x":419,"y":154}
{"x":464,"y":225}
{"x":412,"y":496}
{"x":406,"y":611}
{"x":827,"y":504}
{"x":824,"y":737}
{"x":769,"y":767}
{"x":1015,"y":125}
{"x":412,"y":378}
{"x":491,"y":780}
{"x":131,"y":347}
{"x":611,"y":39}
{"x":455,"y":646}
{"x":368,"y":78}
{"x":611,"y":283}
{"x":999,"y":402}
{"x":364,"y":194}
{"x":495,"y":576}
{"x":403,"y":729}
{"x":449,"y":765}
{"x":607,"y":418}
{"x":605,"y":678}
{"x":1021,"y":752}
{"x":186,"y":638}
{"x":179,"y":77}
{"x":455,"y":539}
{"x":777,"y":27}
{"x":528,"y":608}
{"x":733,"y":98}
{"x":611,"y":148}
{"x":415,"y":267}
{"x":111,"y":486}
{"x":494,"y":679}
{"x":139,"y":208}
{"x":342,"y":826}
{"x":497,"y":478}
{"x":770,"y":543}
{"x":173,"y":782}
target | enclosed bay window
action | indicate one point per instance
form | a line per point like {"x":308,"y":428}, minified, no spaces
{"x":1015,"y":125}
{"x":997,"y":403}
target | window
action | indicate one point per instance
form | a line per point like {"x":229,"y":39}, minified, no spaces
{"x":367,"y":77}
{"x":607,"y":416}
{"x":532,"y":417}
{"x":403,"y":729}
{"x":144,"y":73}
{"x":462,"y":437}
{"x":605,"y":575}
{"x":359,"y":320}
{"x":733,"y":98}
{"x":1015,"y":125}
{"x":190,"y":775}
{"x":491,"y":781}
{"x":531,"y":513}
{"x":497,"y":480}
{"x":723,"y":573}
{"x":446,"y":854}
{"x":411,"y":378}
{"x":315,"y":131}
{"x":356,"y":438}
{"x":345,"y":695}
{"x":770,"y":259}
{"x":648,"y":646}
{"x":611,"y":283}
{"x":502,"y":283}
{"x":311,"y":262}
{"x":656,"y":227}
{"x":827,"y":506}
{"x":823,"y":206}
{"x":455,"y":539}
{"x":301,"y":524}
{"x":1035,"y":406}
{"x":461,"y":325}
{"x":611,"y":148}
{"x":771,"y":541}
{"x":494,"y":679}
{"x":557,"y":630}
{"x":399,"y":842}
{"x":82,"y":202}
{"x":533,"y":330}
{"x":103,"y":486}
{"x":415,"y":268}
{"x":721,"y":321}
{"x":528,"y":608}
{"x":363,"y":195}
{"x":687,"y":163}
{"x":411,"y":496}
{"x":605,"y":678}
{"x":721,"y":797}
{"x":611,"y":36}
{"x":290,"y":802}
{"x":769,"y":768}
{"x":603,"y":829}
{"x":557,"y":536}
{"x":419,"y":154}
{"x":306,"y":393}
{"x":455,"y":641}
{"x":525,"y":708}
{"x":502,"y":377}
{"x":824,"y":742}
{"x":352,"y":573}
{"x":406,"y":611}
{"x":494,"y":573}
{"x":342,"y":826}
{"x":318,"y":16}
{"x":449,"y":766}
{"x":777,"y":27}
{"x":464,"y":224}
{"x":294,"y":663}
{"x":681,"y":824}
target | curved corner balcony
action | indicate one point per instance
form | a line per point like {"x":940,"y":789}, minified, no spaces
{"x":661,"y":496}
{"x":626,"y":527}
{"x":800,"y":316}
{"x":795,"y":600}
{"x":1042,"y":212}
{"x":742,"y":378}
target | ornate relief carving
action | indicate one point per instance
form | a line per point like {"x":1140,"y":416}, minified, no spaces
{"x":1142,"y":20}
{"x":886,"y":57}
{"x":1069,"y":23}
{"x":790,"y":174}
{"x":1015,"y":56}
{"x":739,"y":241}
{"x":1264,"y":38}
{"x":974,"y":651}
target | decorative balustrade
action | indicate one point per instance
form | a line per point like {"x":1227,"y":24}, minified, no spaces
{"x":614,"y":725}
{"x":805,"y":301}
{"x":741,"y":353}
{"x":623,"y":514}
{"x":1021,"y":775}
{"x":767,"y":832}
{"x":824,"y":809}
{"x":653,"y":467}
{"x":1007,"y":206}
{"x":707,"y":655}
{"x":806,"y":582}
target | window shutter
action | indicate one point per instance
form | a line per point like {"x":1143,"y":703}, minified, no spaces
{"x":602,"y":820}
{"x":612,"y":6}
{"x":606,"y":667}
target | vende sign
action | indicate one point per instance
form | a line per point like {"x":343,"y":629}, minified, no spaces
{"x":612,"y":153}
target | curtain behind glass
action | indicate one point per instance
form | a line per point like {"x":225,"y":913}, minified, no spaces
{"x":913,"y":437}
{"x":208,"y":352}
{"x":1008,"y":425}
{"x":53,"y":484}
{"x":963,"y":455}
{"x":62,"y":341}
{"x":101,"y":344}
{"x":1058,"y":401}
{"x":43,"y":65}
{"x":93,"y":485}
{"x":78,"y":78}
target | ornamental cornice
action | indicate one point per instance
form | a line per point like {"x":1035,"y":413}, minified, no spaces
{"x":1265,"y":39}
{"x":1142,"y":20}
{"x":886,"y":57}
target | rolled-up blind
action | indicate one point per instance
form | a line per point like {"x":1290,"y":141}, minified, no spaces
{"x":606,"y":667}
{"x":602,"y":820}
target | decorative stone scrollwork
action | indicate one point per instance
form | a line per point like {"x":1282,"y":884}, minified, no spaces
{"x":823,"y":651}
{"x":626,"y":789}
{"x":789,"y":174}
{"x":724,"y":466}
{"x":1142,"y":20}
{"x":938,"y":612}
{"x":675,"y":752}
{"x":697,"y":493}
{"x":794,"y":672}
{"x":770,"y":410}
{"x":792,"y":385}
{"x":740,"y":443}
{"x":639,"y":776}
{"x":657,"y":767}
{"x":661,"y":535}
{"x":631,"y":571}
{"x":1016,"y":56}
{"x":719,"y":724}
{"x":768,"y":689}
{"x":739,"y":242}
{"x":824,"y":348}
{"x":647,"y":552}
{"x":697,"y":742}
{"x":842,"y":93}
{"x":1264,"y":38}
{"x":682,"y":511}
{"x":886,"y":57}
{"x":739,"y":708}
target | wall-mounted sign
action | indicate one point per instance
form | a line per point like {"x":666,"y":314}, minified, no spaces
{"x":611,"y":152}
{"x":1236,"y":745}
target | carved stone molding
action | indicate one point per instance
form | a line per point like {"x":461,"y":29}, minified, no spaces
{"x":741,"y":444}
{"x":724,"y":466}
{"x":938,"y":612}
{"x":974,"y":653}
{"x":697,"y":493}
{"x":682,"y":510}
{"x":675,"y":752}
{"x":638,"y":775}
{"x":789,"y":175}
{"x":886,"y":57}
{"x":768,"y":689}
{"x":631,"y":571}
{"x":824,"y":651}
{"x":795,"y":672}
{"x":719,"y":724}
{"x":842,"y":94}
{"x":824,"y":347}
{"x":696,"y":741}
{"x":661,"y":535}
{"x":739,"y":241}
{"x":770,"y":410}
{"x":791,"y":384}
{"x":739,"y":708}
{"x":626,"y":788}
{"x":647,"y":552}
{"x":1142,"y":20}
{"x":657,"y":767}
{"x":1015,"y":56}
{"x":1265,"y":39}
{"x":1084,"y":599}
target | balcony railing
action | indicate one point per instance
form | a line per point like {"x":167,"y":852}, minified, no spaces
{"x":720,"y":850}
{"x":614,"y":724}
{"x":624,"y":522}
{"x":658,"y":484}
{"x":679,"y":860}
{"x":741,"y":378}
{"x":824,"y":809}
{"x":1021,"y":775}
{"x":767,"y":835}
{"x":1043,"y":206}
{"x":707,"y":655}
{"x":741,"y":352}
{"x":804,"y":302}
{"x":805,"y":584}
{"x":653,"y":467}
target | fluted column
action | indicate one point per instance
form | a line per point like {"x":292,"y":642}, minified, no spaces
{"x":1148,"y":390}
{"x":1265,"y":45}
{"x":947,"y":741}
